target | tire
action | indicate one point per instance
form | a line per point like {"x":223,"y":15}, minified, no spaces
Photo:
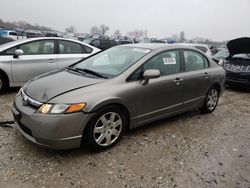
{"x":211,"y":100}
{"x":105,"y":128}
{"x":3,"y":83}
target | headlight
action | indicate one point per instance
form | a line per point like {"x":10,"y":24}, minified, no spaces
{"x":221,"y":62}
{"x":61,"y":108}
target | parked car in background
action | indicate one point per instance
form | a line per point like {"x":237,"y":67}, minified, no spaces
{"x":237,"y":65}
{"x":24,"y":59}
{"x":158,"y":41}
{"x":9,"y":34}
{"x":33,"y":34}
{"x":101,"y":43}
{"x":221,"y":55}
{"x":118,"y":89}
{"x":120,"y":42}
{"x":202,"y":47}
{"x":5,"y":40}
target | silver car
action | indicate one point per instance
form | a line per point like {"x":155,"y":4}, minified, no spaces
{"x":96,"y":100}
{"x":24,"y":59}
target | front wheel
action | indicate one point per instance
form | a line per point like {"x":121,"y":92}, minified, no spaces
{"x":105,"y":128}
{"x":211,"y":100}
{"x":3,"y":83}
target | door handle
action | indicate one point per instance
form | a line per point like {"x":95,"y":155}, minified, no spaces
{"x":205,"y":74}
{"x":177,"y":80}
{"x":51,"y":61}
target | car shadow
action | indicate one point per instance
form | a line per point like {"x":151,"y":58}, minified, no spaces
{"x":238,"y":89}
{"x":11,"y":90}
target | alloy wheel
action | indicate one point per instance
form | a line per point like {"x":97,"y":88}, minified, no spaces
{"x":107,"y":129}
{"x":212,"y":99}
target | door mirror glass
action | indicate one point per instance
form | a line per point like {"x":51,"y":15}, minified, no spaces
{"x":18,"y":52}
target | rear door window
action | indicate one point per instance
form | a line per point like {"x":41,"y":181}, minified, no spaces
{"x":194,"y":60}
{"x":95,"y":42}
{"x":69,"y":47}
{"x":86,"y":49}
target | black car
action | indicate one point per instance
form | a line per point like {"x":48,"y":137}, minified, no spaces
{"x":237,"y":65}
{"x":220,"y":55}
{"x":100,"y":43}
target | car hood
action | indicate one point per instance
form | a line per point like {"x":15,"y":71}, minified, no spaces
{"x":48,"y":86}
{"x":239,"y":46}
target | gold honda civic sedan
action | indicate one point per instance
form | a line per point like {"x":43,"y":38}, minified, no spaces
{"x":93,"y":102}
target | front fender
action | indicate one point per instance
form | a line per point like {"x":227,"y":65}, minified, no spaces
{"x":104,"y":102}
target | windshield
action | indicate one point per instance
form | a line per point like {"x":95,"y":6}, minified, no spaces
{"x":113,"y":61}
{"x":222,"y":54}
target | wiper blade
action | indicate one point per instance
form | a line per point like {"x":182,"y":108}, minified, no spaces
{"x":75,"y":70}
{"x":91,"y":72}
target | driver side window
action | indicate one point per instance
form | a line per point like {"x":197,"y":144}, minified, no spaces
{"x":166,"y":62}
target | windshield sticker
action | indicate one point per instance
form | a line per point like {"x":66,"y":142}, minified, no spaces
{"x":169,"y":61}
{"x":141,"y":50}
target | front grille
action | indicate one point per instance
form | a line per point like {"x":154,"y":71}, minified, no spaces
{"x":25,"y":129}
{"x":29,"y":101}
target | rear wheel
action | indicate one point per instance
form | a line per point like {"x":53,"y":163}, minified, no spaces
{"x":3,"y":83}
{"x":211,"y":100}
{"x":105,"y":129}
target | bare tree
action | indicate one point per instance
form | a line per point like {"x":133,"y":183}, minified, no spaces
{"x":104,"y":29}
{"x":70,"y":29}
{"x":95,"y":30}
{"x":117,"y":33}
{"x":182,"y":36}
{"x":175,"y":37}
{"x":137,"y":33}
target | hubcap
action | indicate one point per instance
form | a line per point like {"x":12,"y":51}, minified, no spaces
{"x":107,"y":129}
{"x":212,"y":99}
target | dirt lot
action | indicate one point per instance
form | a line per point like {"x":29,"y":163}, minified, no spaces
{"x":189,"y":150}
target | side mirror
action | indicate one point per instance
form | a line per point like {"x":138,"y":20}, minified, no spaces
{"x":18,"y":52}
{"x":150,"y":74}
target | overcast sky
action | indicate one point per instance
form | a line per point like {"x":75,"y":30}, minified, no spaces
{"x":213,"y":19}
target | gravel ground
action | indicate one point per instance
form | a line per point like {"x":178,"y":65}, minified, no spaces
{"x":188,"y":150}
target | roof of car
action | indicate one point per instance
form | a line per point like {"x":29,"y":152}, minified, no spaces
{"x":17,"y":42}
{"x":154,"y":46}
{"x":151,"y":46}
{"x":193,"y":44}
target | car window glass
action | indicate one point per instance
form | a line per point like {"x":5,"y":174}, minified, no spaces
{"x":201,"y":48}
{"x":68,"y":47}
{"x":95,"y":43}
{"x":167,"y":63}
{"x":13,"y":33}
{"x":193,"y":60}
{"x":113,"y":61}
{"x":10,"y":51}
{"x":38,"y":47}
{"x":86,"y":49}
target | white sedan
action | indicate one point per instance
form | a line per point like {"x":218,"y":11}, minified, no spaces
{"x":25,"y":59}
